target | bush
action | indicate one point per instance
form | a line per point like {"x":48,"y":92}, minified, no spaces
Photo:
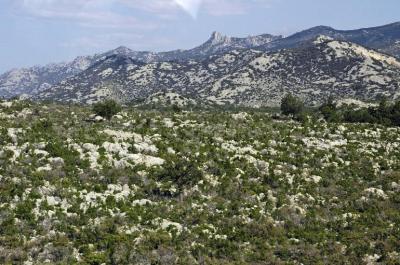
{"x":181,"y":173}
{"x":106,"y":109}
{"x":360,"y":115}
{"x":385,"y":113}
{"x":291,"y":105}
{"x":395,"y":114}
{"x":176,"y":108}
{"x":305,"y":116}
{"x":329,"y":111}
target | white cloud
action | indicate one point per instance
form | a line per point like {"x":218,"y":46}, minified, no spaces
{"x":153,"y":6}
{"x":88,"y":13}
{"x":190,"y":6}
{"x":226,"y":7}
{"x":110,"y":23}
{"x":234,"y":7}
{"x":102,"y":12}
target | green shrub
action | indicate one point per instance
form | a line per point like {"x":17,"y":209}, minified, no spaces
{"x":291,"y":105}
{"x":329,"y":111}
{"x":176,"y":108}
{"x":385,"y":113}
{"x":360,"y":115}
{"x":395,"y":114}
{"x":106,"y":109}
{"x":182,"y":173}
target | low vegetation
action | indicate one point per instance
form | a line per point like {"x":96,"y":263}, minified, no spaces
{"x":385,"y":113}
{"x":195,"y":187}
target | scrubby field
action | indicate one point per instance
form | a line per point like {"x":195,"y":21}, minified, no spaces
{"x":204,"y":187}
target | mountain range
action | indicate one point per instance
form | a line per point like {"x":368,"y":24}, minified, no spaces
{"x":253,"y":71}
{"x":385,"y":39}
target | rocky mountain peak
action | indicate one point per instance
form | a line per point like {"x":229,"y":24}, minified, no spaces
{"x":122,"y":50}
{"x":217,"y":38}
{"x":331,"y":50}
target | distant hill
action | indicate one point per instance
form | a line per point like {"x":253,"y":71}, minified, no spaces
{"x":315,"y":70}
{"x":256,"y":70}
{"x":384,"y":38}
{"x":32,"y":80}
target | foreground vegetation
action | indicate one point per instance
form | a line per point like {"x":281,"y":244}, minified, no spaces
{"x":194,"y":187}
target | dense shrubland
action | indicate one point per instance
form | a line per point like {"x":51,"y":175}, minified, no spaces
{"x":385,"y":112}
{"x":195,"y":187}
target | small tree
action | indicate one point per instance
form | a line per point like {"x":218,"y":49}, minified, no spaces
{"x":382,"y":113}
{"x":107,"y":109}
{"x":330,"y":111}
{"x":291,"y":105}
{"x":395,"y":113}
{"x":181,"y":172}
{"x":358,"y":116}
{"x":176,"y":108}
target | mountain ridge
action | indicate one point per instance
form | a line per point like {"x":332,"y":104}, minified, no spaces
{"x":39,"y":80}
{"x":314,"y":71}
{"x":383,"y":38}
{"x":30,"y":80}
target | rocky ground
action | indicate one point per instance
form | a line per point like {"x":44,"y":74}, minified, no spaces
{"x":198,"y":187}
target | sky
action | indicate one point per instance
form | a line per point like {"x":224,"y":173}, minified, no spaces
{"x":37,"y":32}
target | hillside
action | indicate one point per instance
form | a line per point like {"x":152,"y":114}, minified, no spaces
{"x":32,"y":81}
{"x":314,"y":71}
{"x":200,"y":187}
{"x":385,"y":38}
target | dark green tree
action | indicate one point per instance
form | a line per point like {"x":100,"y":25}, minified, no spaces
{"x":358,"y":116}
{"x":181,"y":173}
{"x":291,"y":105}
{"x":106,"y":109}
{"x":330,"y":111}
{"x":382,"y":112}
{"x":395,"y":114}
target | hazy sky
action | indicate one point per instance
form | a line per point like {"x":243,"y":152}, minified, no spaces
{"x":42,"y":31}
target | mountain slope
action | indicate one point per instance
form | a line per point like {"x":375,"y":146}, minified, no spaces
{"x":217,"y":43}
{"x":314,"y":71}
{"x":32,"y":80}
{"x":384,"y":38}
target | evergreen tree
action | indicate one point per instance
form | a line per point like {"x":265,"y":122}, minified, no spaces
{"x":330,"y":111}
{"x":291,"y":105}
{"x":106,"y":109}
